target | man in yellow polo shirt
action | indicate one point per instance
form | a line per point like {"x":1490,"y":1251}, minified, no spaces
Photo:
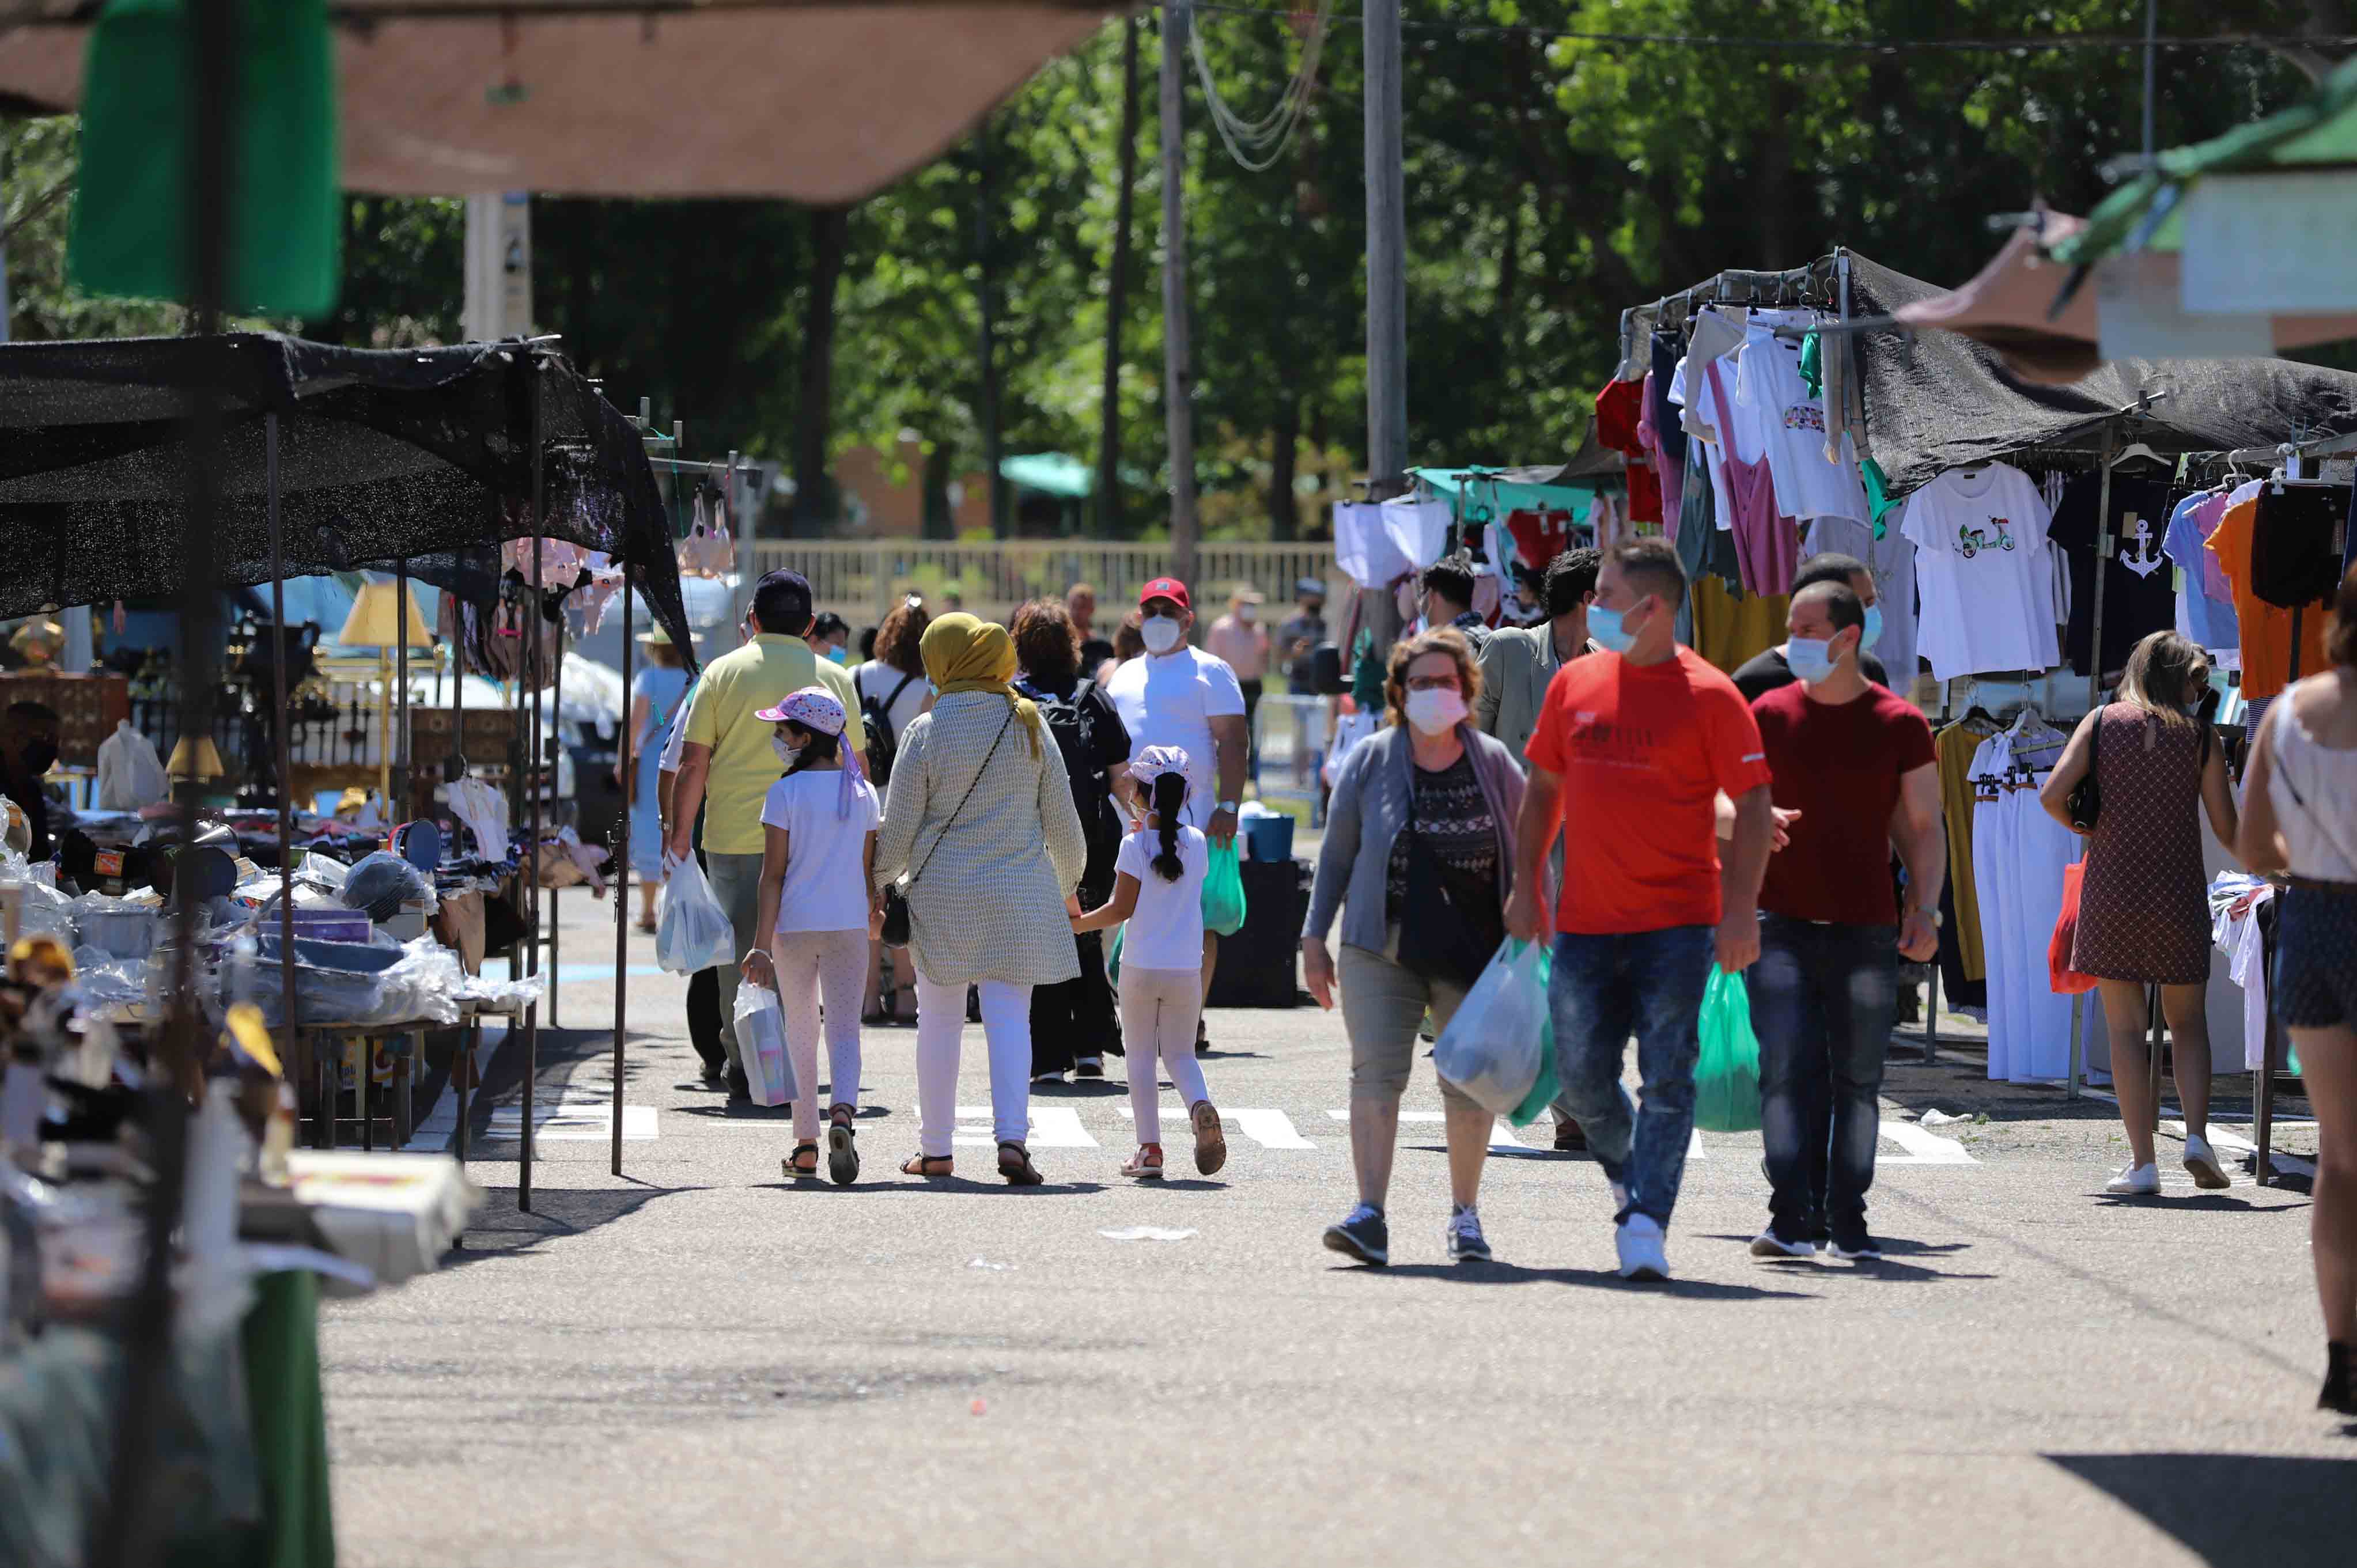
{"x":728,"y":765}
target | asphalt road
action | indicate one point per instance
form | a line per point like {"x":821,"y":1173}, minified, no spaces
{"x":698,"y":1362}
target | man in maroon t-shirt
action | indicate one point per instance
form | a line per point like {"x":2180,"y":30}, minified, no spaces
{"x":1855,"y":764}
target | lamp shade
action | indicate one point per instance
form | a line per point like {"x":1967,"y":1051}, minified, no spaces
{"x":195,"y":759}
{"x":376,"y":618}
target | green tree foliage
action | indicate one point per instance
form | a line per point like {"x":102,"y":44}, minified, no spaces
{"x":1552,"y":182}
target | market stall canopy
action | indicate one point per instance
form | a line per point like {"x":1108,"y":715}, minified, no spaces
{"x":1942,"y":399}
{"x":383,"y":454}
{"x":1508,"y":488}
{"x":823,"y":104}
{"x":1050,"y":473}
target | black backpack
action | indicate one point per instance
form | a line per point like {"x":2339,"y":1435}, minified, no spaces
{"x":1074,"y":722}
{"x":876,"y":718}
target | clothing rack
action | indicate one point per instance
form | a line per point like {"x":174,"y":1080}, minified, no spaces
{"x":1823,"y":282}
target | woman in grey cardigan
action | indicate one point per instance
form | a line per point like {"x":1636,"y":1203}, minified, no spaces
{"x":1429,"y":803}
{"x":980,"y":818}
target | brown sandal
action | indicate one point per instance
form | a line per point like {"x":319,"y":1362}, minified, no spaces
{"x":923,"y":1165}
{"x":793,"y":1162}
{"x":1022,"y":1172}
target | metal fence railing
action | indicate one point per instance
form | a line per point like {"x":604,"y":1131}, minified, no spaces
{"x":861,"y":580}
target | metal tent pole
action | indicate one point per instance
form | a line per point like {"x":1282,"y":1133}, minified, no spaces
{"x":288,"y":1005}
{"x":553,"y":760}
{"x":400,"y":803}
{"x":622,"y":875}
{"x":2103,"y":554}
{"x":454,"y":767}
{"x":537,"y":366}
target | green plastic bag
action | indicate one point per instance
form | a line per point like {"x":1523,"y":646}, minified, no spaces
{"x":1727,"y":1076}
{"x":1224,"y":892}
{"x":1113,"y":952}
{"x":1548,"y":1084}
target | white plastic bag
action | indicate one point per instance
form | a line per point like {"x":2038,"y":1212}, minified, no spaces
{"x":693,"y":932}
{"x":1491,"y":1047}
{"x":130,"y":774}
{"x":762,"y":1046}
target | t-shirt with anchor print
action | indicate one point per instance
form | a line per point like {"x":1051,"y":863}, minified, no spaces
{"x":2139,"y":584}
{"x":1982,"y":572}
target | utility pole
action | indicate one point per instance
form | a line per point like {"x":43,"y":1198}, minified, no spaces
{"x":1386,"y":255}
{"x":999,"y":527}
{"x":1177,"y":371}
{"x":1117,"y":294}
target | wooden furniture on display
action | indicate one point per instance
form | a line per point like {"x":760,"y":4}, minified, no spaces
{"x":88,"y":708}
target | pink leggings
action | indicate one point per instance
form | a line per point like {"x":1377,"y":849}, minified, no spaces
{"x":809,"y":965}
{"x":1158,"y":1010}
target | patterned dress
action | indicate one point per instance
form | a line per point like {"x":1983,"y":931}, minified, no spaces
{"x":2143,"y":911}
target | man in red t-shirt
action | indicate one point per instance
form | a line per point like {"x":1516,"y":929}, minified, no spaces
{"x":1633,"y":747}
{"x":1855,"y":769}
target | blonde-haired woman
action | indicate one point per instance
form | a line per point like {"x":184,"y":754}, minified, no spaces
{"x":2144,"y":913}
{"x":980,"y":819}
{"x":1428,"y":802}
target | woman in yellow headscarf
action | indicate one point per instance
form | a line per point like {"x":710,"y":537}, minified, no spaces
{"x":979,"y":820}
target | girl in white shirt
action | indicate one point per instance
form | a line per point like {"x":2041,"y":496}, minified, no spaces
{"x":818,"y":861}
{"x":1158,"y":889}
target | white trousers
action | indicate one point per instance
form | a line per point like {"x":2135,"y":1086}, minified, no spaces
{"x":811,"y":964}
{"x":941,"y":1029}
{"x":1158,"y":1010}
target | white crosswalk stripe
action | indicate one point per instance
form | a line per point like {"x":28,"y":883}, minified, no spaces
{"x":1922,"y":1148}
{"x":573,"y":1121}
{"x":1052,"y":1127}
{"x":1269,"y":1129}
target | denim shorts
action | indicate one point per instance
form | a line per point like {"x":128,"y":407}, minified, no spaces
{"x":2315,"y":974}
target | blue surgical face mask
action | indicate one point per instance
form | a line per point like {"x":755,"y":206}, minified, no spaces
{"x":1811,"y":657}
{"x":838,"y":654}
{"x":1604,"y":628}
{"x":1873,"y":627}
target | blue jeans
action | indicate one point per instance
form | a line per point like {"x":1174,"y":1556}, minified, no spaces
{"x":1603,"y":988}
{"x":1824,"y":998}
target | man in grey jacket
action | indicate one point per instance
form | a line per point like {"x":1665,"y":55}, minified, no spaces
{"x":1517,"y":663}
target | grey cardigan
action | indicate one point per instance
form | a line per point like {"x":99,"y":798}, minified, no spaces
{"x":1374,"y":793}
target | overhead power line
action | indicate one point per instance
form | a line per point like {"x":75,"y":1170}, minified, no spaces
{"x":2026,"y":44}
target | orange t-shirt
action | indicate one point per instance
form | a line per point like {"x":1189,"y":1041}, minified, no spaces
{"x":2266,"y":629}
{"x":1643,"y":753}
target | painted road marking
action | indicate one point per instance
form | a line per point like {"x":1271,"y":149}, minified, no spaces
{"x":2218,"y":1137}
{"x":1269,"y":1129}
{"x":1052,"y":1127}
{"x":1922,"y":1148}
{"x":572,"y":1120}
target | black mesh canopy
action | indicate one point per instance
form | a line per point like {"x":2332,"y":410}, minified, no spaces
{"x":383,"y":454}
{"x":1936,"y":401}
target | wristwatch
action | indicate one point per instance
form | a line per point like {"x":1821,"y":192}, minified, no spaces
{"x":1229,"y":807}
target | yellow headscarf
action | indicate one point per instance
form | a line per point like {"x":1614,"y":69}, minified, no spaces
{"x":965,"y":654}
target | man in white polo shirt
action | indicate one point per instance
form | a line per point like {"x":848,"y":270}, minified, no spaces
{"x":1181,"y":696}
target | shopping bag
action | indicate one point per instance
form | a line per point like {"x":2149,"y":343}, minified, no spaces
{"x":693,"y":931}
{"x":1726,"y":1074}
{"x":762,"y":1046}
{"x":2065,"y":980}
{"x":1113,"y":951}
{"x":1224,"y":892}
{"x":1541,"y":1099}
{"x":1491,"y":1049}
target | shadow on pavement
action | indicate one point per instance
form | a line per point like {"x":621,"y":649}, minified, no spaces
{"x":1591,"y":1279}
{"x":500,"y":1229}
{"x":2236,"y":1508}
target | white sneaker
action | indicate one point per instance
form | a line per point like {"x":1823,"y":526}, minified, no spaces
{"x":1640,"y":1243}
{"x":2136,"y":1181}
{"x":2202,"y":1161}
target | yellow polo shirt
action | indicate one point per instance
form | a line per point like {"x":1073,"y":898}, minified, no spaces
{"x":734,"y":687}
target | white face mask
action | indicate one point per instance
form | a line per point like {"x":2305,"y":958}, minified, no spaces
{"x":1248,"y":613}
{"x":1435,"y":712}
{"x":1161,"y":634}
{"x":786,"y":753}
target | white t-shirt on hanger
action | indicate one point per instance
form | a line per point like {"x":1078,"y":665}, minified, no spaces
{"x":1983,"y":569}
{"x":1788,"y":421}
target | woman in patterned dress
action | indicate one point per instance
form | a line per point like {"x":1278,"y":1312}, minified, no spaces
{"x":980,"y":819}
{"x":2144,"y":915}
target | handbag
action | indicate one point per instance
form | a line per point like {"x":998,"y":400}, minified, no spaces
{"x":1450,"y":926}
{"x":897,"y":921}
{"x":2086,"y":800}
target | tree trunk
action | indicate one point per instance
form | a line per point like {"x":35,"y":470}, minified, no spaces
{"x":814,"y":498}
{"x":1117,"y":296}
{"x":939,"y":522}
{"x":1284,"y":458}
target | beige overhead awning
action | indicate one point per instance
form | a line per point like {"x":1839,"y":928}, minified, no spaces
{"x":752,"y":98}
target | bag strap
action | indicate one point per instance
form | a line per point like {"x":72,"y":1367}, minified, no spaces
{"x":967,"y":796}
{"x":895,"y":697}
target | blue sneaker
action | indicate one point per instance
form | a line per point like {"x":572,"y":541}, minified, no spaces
{"x":1361,"y":1235}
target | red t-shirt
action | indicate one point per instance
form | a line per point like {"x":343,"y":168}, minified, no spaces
{"x":1618,"y":408}
{"x":1643,"y":753}
{"x":1839,"y":766}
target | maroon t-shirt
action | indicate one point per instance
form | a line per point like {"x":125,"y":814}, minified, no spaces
{"x":1839,"y":766}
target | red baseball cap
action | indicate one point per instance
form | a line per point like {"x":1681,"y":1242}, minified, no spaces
{"x":1170,"y":588}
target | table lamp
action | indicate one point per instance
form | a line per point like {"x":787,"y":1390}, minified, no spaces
{"x":377,"y":621}
{"x":194,"y":764}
